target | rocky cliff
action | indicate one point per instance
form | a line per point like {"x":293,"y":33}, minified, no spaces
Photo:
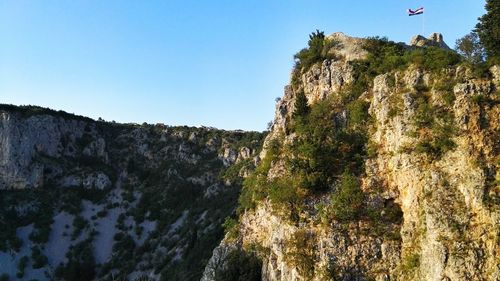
{"x":381,"y":164}
{"x":92,"y":200}
{"x":389,"y":173}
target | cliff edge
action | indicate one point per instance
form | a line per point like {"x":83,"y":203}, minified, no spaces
{"x":382,"y":164}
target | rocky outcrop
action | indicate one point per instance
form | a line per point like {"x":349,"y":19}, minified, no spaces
{"x":348,"y":48}
{"x":435,"y":40}
{"x":449,"y":203}
{"x":27,"y":142}
{"x":322,"y":79}
{"x":445,"y":239}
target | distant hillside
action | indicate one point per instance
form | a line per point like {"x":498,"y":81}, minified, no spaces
{"x":92,"y":200}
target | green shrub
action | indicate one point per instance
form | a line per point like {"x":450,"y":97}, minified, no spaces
{"x":301,"y":252}
{"x":433,"y":58}
{"x":301,"y":105}
{"x":436,"y":128}
{"x":386,"y":56}
{"x":255,"y":186}
{"x":40,"y":235}
{"x":318,"y":50}
{"x":358,"y":113}
{"x":124,"y":247}
{"x":421,"y":88}
{"x":424,"y":115}
{"x":325,"y":148}
{"x":283,"y":194}
{"x":483,"y":100}
{"x":371,"y":149}
{"x":411,"y":262}
{"x":347,"y":200}
{"x":230,"y":226}
{"x":232,"y":173}
{"x":444,"y":84}
{"x":16,"y":243}
{"x":435,"y":147}
{"x":448,"y":98}
{"x":471,"y":48}
{"x":362,"y":82}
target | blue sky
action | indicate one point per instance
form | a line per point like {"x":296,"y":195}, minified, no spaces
{"x":214,"y":63}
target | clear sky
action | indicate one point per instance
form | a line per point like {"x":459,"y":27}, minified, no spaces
{"x":214,"y":63}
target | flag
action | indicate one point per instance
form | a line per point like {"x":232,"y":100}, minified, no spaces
{"x":418,"y":11}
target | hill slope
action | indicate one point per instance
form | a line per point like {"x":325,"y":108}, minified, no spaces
{"x":83,"y":200}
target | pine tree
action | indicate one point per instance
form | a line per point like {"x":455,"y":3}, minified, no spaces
{"x":488,"y":30}
{"x":308,"y":56}
{"x":316,"y":43}
{"x":301,"y":106}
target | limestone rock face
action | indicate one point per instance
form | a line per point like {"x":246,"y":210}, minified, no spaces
{"x":322,"y":80}
{"x":327,"y":78}
{"x":349,"y":48}
{"x":449,"y":204}
{"x":27,"y":144}
{"x":453,"y":181}
{"x":435,"y":40}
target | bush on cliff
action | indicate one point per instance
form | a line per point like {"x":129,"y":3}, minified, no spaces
{"x":317,"y":50}
{"x":347,"y":200}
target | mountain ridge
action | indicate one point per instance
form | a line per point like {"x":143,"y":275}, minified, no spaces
{"x":100,"y":200}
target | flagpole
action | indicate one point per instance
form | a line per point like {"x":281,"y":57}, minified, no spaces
{"x":423,"y":24}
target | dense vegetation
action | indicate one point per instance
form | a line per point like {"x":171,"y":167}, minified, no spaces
{"x":384,"y":56}
{"x":470,"y":48}
{"x":323,"y":153}
{"x":481,"y":47}
{"x":330,"y":146}
{"x":31,"y":110}
{"x":318,"y":50}
{"x":435,"y":127}
{"x":488,"y":29}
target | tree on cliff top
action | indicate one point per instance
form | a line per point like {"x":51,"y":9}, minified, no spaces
{"x":318,"y":50}
{"x":488,"y":29}
{"x":471,"y":48}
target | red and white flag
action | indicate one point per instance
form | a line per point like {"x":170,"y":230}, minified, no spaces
{"x":418,"y":11}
